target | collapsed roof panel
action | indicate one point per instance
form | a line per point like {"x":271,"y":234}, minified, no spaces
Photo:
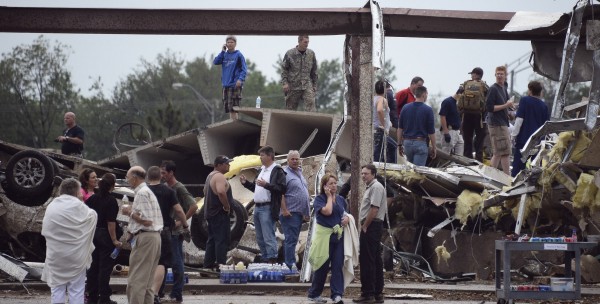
{"x":229,"y":137}
{"x":286,"y":130}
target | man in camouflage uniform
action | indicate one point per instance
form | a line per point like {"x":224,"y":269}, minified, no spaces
{"x":299,"y":76}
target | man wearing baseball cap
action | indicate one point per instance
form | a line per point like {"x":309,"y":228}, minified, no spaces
{"x":217,"y":205}
{"x":472,"y":109}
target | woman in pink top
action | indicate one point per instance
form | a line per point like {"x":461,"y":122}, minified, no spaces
{"x":89,"y":181}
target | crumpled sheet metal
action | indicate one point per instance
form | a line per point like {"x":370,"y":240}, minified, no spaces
{"x":593,"y":43}
{"x":553,"y":127}
{"x":526,"y":21}
{"x":594,"y":102}
{"x":571,"y":43}
{"x":547,"y":58}
{"x":378,"y":33}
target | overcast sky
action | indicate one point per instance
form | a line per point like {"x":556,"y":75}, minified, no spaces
{"x":443,"y":63}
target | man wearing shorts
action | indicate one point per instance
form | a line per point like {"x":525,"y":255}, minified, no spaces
{"x":497,"y":106}
{"x":233,"y":76}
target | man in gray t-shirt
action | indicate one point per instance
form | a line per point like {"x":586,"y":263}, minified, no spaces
{"x":372,"y":213}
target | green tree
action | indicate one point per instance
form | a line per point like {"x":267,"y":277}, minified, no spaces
{"x":99,"y":117}
{"x":167,"y":121}
{"x":330,"y":93}
{"x":388,"y":71}
{"x":147,"y":97}
{"x":36,"y":90}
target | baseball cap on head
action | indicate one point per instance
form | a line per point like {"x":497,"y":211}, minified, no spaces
{"x":222,"y":159}
{"x":477,"y":71}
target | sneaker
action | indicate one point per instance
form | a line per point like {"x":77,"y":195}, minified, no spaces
{"x":318,"y":299}
{"x":172,"y":300}
{"x":363,"y":299}
{"x":379,"y":298}
{"x":156,"y":300}
{"x":338,"y":300}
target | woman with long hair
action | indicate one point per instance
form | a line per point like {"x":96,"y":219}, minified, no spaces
{"x":106,"y":239}
{"x":89,"y":182}
{"x":327,"y":249}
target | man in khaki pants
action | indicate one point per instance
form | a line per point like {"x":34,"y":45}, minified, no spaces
{"x":145,"y":224}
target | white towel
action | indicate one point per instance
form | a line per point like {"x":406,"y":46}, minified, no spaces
{"x":68,"y":227}
{"x":350,"y":250}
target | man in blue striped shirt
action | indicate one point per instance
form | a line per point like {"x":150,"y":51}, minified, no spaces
{"x":294,"y":206}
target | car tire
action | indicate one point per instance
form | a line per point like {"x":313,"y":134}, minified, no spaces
{"x":29,"y":174}
{"x":237,"y":218}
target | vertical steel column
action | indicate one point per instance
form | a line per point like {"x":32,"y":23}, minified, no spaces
{"x":361,"y":95}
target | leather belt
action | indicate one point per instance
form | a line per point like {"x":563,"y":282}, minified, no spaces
{"x":262,"y":204}
{"x":375,"y":220}
{"x":415,"y":138}
{"x":141,"y":231}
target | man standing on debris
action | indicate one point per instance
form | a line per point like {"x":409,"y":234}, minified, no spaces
{"x":72,"y":138}
{"x":168,"y":205}
{"x":299,"y":76}
{"x":472,"y":108}
{"x":187,"y":202}
{"x":373,"y":209}
{"x":450,"y":125}
{"x":416,"y":125}
{"x":218,"y":200}
{"x":145,"y":224}
{"x":497,"y":105}
{"x":531,"y":115}
{"x":389,"y":95}
{"x":381,"y":125}
{"x":267,"y":202}
{"x":68,"y":227}
{"x":233,"y":75}
{"x":294,"y":206}
{"x":406,"y":96}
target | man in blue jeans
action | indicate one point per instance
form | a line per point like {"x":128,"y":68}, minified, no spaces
{"x":218,"y":199}
{"x":268,"y":187}
{"x":188,"y":203}
{"x":294,"y":206}
{"x":415,"y":126}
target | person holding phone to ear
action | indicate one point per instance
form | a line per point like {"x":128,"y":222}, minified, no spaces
{"x":234,"y":74}
{"x":327,"y":249}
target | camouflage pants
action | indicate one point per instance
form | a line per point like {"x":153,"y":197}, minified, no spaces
{"x":293,"y":98}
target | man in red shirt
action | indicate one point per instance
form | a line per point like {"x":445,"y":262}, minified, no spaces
{"x":407,"y":95}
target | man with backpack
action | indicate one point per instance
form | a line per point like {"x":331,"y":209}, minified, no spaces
{"x":471,"y":106}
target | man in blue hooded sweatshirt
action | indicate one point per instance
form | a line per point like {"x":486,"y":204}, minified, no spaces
{"x":233,"y":76}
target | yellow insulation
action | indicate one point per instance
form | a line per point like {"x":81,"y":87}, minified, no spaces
{"x":406,"y":177}
{"x":557,"y":152}
{"x":442,"y":254}
{"x":468,"y":203}
{"x":583,"y":142}
{"x":494,"y":213}
{"x":586,"y":192}
{"x":553,"y":173}
{"x":532,"y":202}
